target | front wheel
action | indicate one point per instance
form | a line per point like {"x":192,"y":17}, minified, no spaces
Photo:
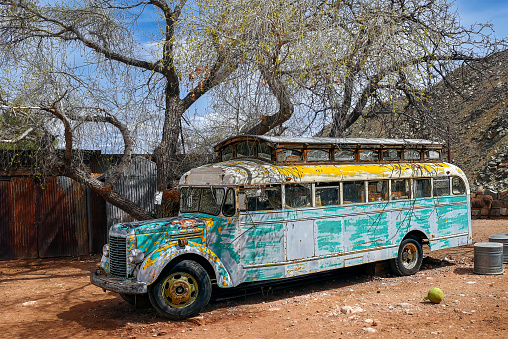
{"x":409,"y":259}
{"x":138,"y":300}
{"x":181,"y":292}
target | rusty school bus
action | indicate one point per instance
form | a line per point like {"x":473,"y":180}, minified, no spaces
{"x":277,"y":207}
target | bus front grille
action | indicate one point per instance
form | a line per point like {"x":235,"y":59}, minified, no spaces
{"x":118,"y":257}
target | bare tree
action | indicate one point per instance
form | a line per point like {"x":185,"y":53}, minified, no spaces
{"x":349,"y":58}
{"x":123,"y":77}
{"x":94,"y":63}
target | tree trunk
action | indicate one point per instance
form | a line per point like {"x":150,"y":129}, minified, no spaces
{"x":168,"y":165}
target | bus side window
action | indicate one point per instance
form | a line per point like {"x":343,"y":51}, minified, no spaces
{"x":227,"y":153}
{"x":228,"y":209}
{"x":432,"y":155}
{"x":318,"y":155}
{"x":458,"y":186}
{"x":441,"y":186}
{"x":345,"y":155}
{"x":298,"y":195}
{"x":378,"y":190}
{"x":245,"y":149}
{"x":289,"y":155}
{"x":264,"y":151}
{"x":353,"y":192}
{"x":263,"y":198}
{"x":422,"y":188}
{"x":401,"y":189}
{"x":392,"y":155}
{"x":412,"y":155}
{"x":327,"y":195}
{"x":369,"y":155}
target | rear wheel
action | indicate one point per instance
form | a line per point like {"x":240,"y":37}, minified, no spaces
{"x":182,"y":291}
{"x":409,"y":259}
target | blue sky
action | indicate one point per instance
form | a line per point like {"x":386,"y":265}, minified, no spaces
{"x":483,"y":11}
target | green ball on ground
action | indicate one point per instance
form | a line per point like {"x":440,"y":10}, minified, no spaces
{"x":435,"y":295}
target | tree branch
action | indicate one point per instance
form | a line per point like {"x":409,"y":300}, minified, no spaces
{"x":18,"y":138}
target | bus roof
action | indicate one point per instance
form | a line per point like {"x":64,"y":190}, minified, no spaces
{"x":356,"y":142}
{"x":256,"y":172}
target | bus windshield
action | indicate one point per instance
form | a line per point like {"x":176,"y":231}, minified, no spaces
{"x":206,"y":200}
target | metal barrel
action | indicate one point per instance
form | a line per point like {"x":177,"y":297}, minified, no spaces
{"x":503,"y":239}
{"x":488,"y":258}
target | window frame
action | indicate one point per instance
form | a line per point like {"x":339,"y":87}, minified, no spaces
{"x":443,"y":179}
{"x":280,"y":150}
{"x":327,"y":185}
{"x":463,"y":184}
{"x":327,"y":151}
{"x":373,"y":150}
{"x":387,"y":190}
{"x":311,"y":196}
{"x":228,"y":190}
{"x":363,"y":191}
{"x":353,"y":151}
{"x":415,"y":188}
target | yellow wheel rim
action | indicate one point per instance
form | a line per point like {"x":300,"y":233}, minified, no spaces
{"x":180,"y":289}
{"x":409,"y":256}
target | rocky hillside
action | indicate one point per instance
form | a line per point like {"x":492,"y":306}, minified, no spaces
{"x":476,"y":115}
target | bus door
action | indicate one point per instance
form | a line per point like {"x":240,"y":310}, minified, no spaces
{"x":299,"y":227}
{"x":262,"y":228}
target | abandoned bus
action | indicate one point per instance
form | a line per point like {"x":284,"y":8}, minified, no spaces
{"x":277,"y":207}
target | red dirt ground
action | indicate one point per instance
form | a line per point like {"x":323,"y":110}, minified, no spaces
{"x":54,"y":298}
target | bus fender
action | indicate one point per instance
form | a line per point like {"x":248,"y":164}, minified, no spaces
{"x":416,"y":230}
{"x":152,"y":265}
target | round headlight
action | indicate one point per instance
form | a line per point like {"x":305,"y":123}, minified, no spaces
{"x":105,"y":250}
{"x":136,"y":256}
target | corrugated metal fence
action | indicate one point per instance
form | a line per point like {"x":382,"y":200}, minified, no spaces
{"x":139,"y":184}
{"x":61,"y":217}
{"x":49,"y":220}
{"x":18,"y":229}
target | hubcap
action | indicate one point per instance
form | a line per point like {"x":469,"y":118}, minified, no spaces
{"x":180,"y":289}
{"x":409,"y":256}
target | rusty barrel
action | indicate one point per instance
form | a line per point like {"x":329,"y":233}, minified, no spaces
{"x":488,"y":258}
{"x":503,"y":239}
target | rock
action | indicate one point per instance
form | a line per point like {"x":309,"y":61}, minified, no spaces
{"x":351,"y":309}
{"x":29,"y":303}
{"x":404,"y":305}
{"x":369,"y":329}
{"x":198,"y":320}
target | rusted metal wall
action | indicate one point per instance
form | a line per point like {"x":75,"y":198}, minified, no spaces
{"x":18,"y":233}
{"x":139,"y":184}
{"x":62,"y":220}
{"x":50,"y":220}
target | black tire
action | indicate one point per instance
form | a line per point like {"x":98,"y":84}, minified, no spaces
{"x":409,"y":259}
{"x":129,"y":298}
{"x":182,"y":291}
{"x":141,"y":301}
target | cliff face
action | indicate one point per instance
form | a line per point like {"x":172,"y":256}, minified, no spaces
{"x":473,"y":117}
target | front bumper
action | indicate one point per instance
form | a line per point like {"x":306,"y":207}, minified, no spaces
{"x":117,"y":284}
